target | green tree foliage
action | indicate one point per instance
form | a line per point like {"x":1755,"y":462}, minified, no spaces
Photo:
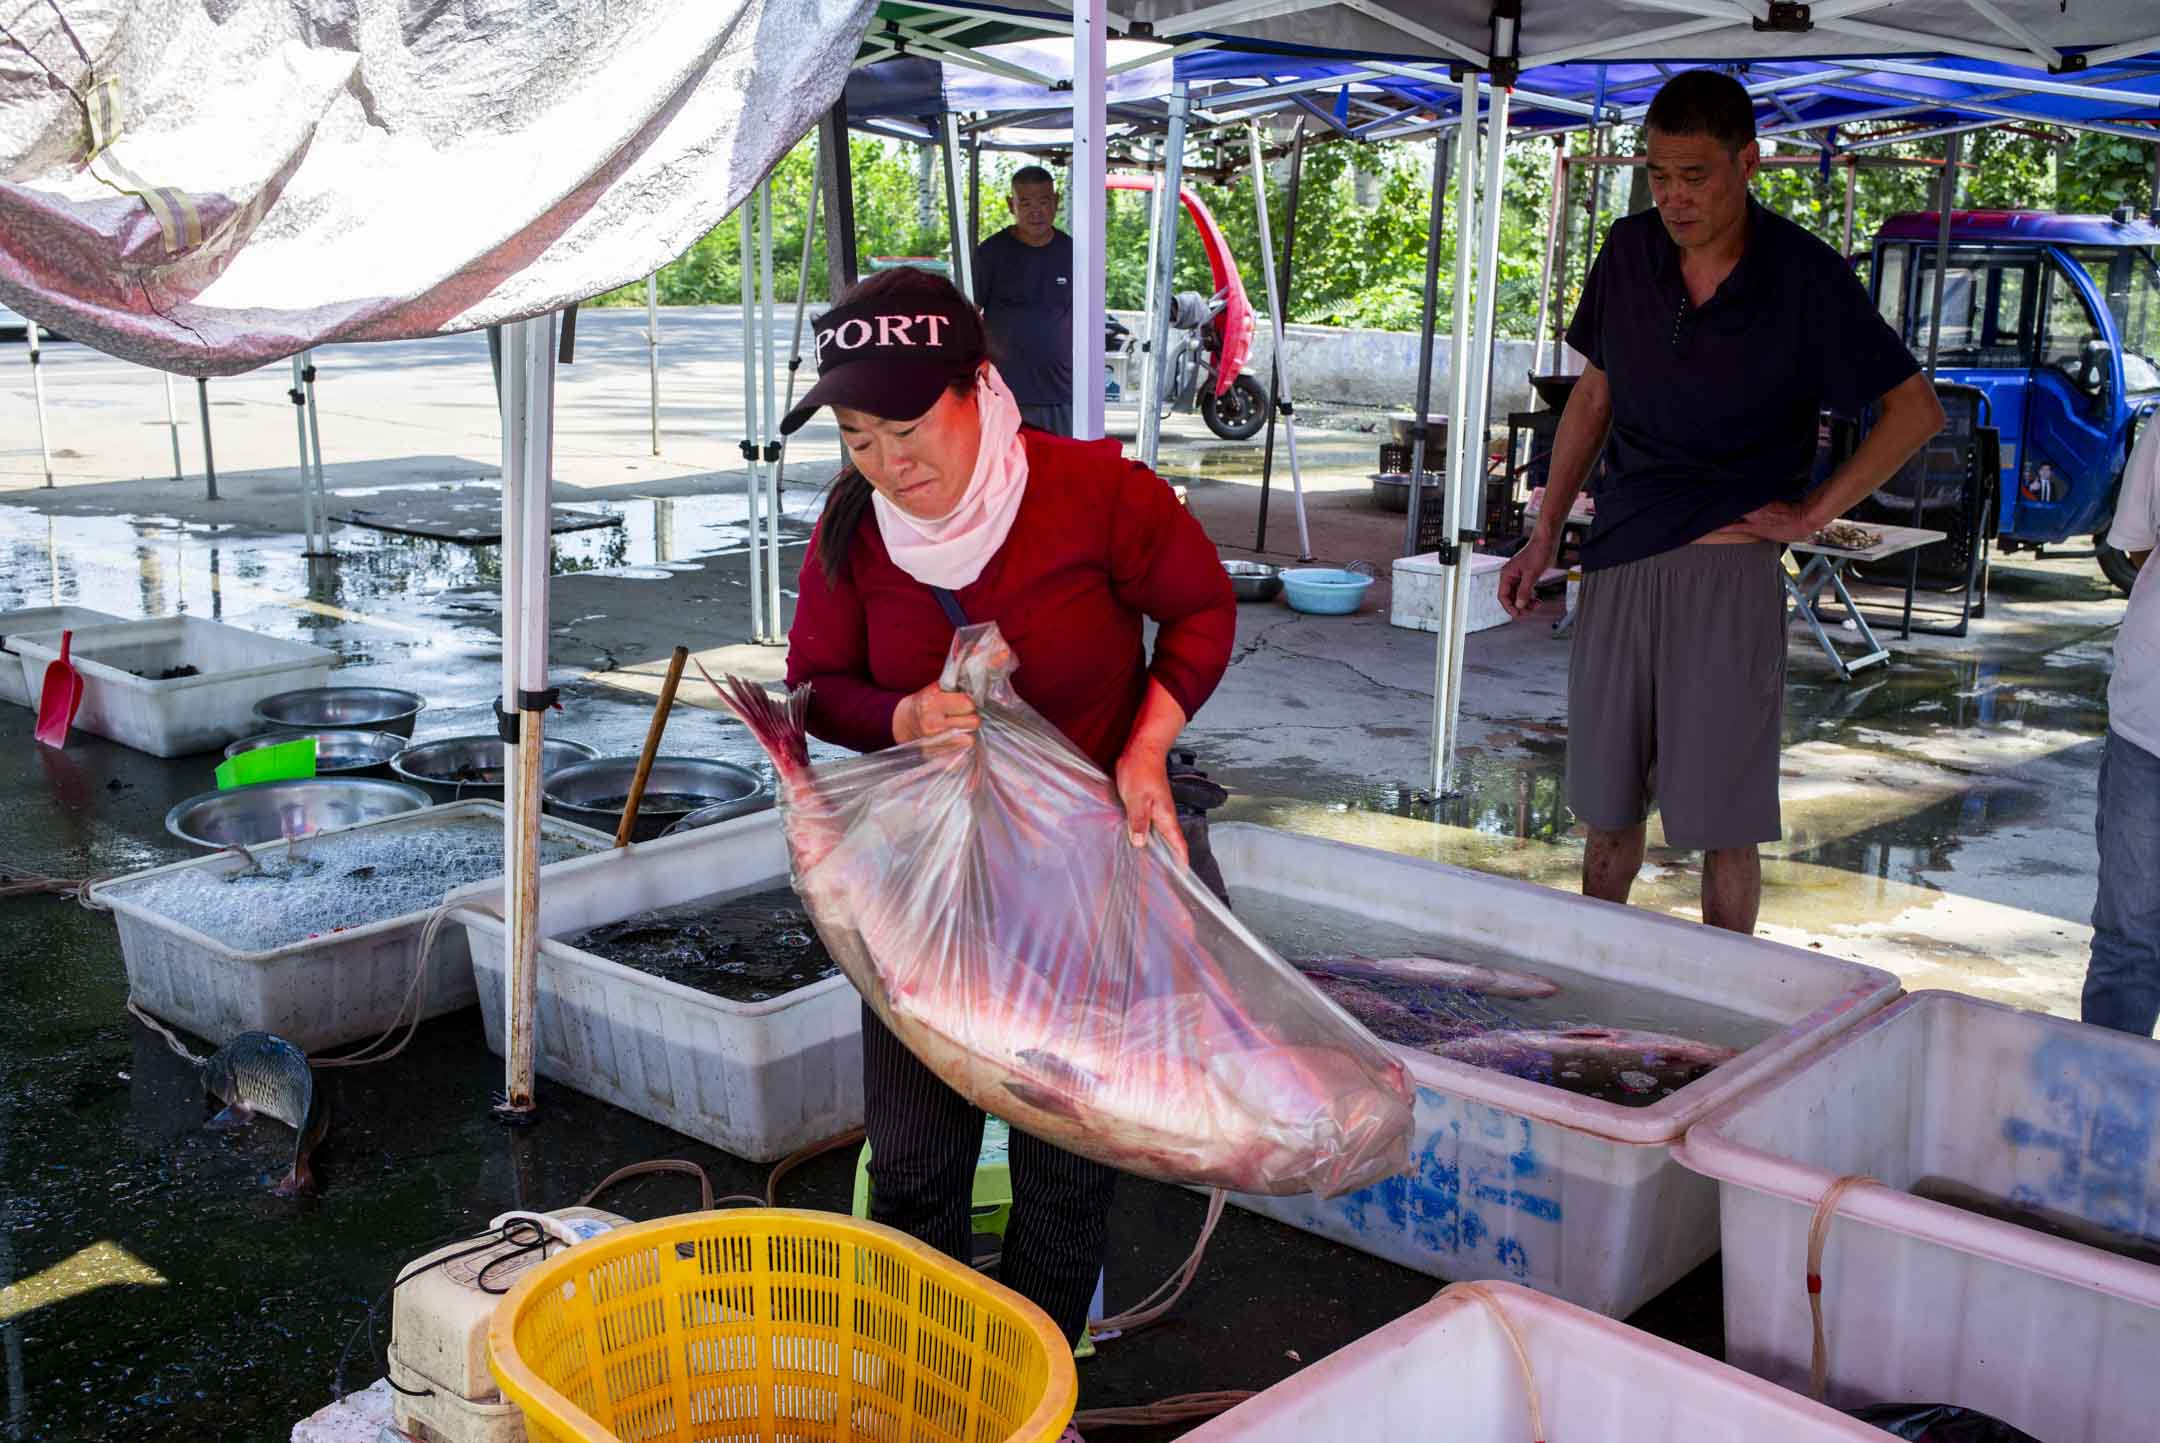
{"x":1364,"y":265}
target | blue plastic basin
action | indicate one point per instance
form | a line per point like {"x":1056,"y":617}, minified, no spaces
{"x":1323,"y":590}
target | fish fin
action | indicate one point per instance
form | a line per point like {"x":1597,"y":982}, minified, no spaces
{"x":236,"y":1114}
{"x":782,"y":727}
{"x":299,"y":1181}
{"x":1043,"y":1099}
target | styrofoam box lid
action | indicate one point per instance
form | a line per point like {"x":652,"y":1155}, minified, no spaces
{"x":114,"y":892}
{"x":1428,"y":564}
{"x":49,"y":618}
{"x":1915,"y":1060}
{"x":224,"y":653}
{"x":1448,"y":1371}
{"x":1525,"y":923}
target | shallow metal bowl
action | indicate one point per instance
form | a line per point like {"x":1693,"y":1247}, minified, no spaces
{"x":1391,"y":491}
{"x":592,"y":793}
{"x":470,"y":768}
{"x":1254,"y":580}
{"x":269,"y":811}
{"x":343,"y":708}
{"x":337,"y":753}
{"x":719,"y":812}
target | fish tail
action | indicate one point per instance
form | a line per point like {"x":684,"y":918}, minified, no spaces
{"x":782,"y":727}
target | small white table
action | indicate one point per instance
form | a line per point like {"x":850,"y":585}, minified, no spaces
{"x":1579,"y":518}
{"x":1825,"y":566}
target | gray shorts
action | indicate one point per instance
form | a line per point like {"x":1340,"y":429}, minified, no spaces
{"x":1676,"y":693}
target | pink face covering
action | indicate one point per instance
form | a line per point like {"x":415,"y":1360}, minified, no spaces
{"x":952,"y":550}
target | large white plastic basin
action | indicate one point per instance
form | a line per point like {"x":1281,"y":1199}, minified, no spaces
{"x":235,"y":669}
{"x":757,"y":1079}
{"x":1927,"y":1302}
{"x":24,"y":623}
{"x":1523,"y":1182}
{"x":1448,"y":1372}
{"x":316,"y":993}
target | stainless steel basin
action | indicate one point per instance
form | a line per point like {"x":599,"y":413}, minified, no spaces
{"x":269,"y":811}
{"x":343,"y":708}
{"x":719,"y":812}
{"x":337,"y":753}
{"x":592,"y":793}
{"x":468,"y":768}
{"x":1254,"y":580}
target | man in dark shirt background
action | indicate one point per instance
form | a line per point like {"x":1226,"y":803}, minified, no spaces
{"x":1023,"y":282}
{"x":1715,"y":331}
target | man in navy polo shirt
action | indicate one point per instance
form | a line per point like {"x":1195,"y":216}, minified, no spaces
{"x":1715,"y":333}
{"x":1023,"y":283}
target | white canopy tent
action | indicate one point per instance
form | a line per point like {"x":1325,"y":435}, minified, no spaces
{"x":209,"y":189}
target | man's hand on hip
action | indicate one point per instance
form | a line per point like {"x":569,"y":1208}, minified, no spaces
{"x":1779,"y":521}
{"x":1520,"y":577}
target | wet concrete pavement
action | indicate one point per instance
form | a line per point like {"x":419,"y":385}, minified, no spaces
{"x":1937,"y":817}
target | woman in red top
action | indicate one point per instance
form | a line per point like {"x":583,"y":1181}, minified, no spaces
{"x":949,"y":512}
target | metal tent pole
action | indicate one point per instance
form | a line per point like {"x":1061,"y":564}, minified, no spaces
{"x":1466,"y":169}
{"x":836,"y":177}
{"x":963,"y":256}
{"x":1162,"y":270}
{"x":209,"y":461}
{"x":1852,"y":200}
{"x":37,"y":388}
{"x":974,"y":192}
{"x":802,"y":305}
{"x":1085,"y":212}
{"x":314,"y":421}
{"x":1555,"y":218}
{"x":746,"y":215}
{"x":172,"y":426}
{"x":1146,"y":396}
{"x":1277,"y":296}
{"x":1561,"y":257}
{"x":1946,"y":201}
{"x":652,"y":351}
{"x":298,"y":397}
{"x":1471,"y":482}
{"x":1427,"y":309}
{"x":528,"y":404}
{"x":769,"y":417}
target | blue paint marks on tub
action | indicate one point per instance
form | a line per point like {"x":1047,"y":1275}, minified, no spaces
{"x":1544,"y":1209}
{"x":1510,"y":1255}
{"x":2090,"y":1150}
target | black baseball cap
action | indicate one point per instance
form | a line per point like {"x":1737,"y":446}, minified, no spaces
{"x":890,"y":354}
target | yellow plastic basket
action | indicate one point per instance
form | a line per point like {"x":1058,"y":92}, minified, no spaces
{"x":776,"y":1325}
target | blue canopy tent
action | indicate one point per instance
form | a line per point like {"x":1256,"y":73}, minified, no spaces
{"x":1391,"y":69}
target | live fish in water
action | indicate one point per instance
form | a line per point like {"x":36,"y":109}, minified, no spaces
{"x":1432,"y":972}
{"x":1411,"y":1016}
{"x":1612,"y":1064}
{"x":982,"y":895}
{"x":258,"y":1072}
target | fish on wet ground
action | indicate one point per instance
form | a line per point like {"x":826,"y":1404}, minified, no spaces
{"x":1620,"y":1065}
{"x":257,"y":1072}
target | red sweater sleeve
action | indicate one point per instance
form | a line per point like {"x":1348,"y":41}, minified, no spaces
{"x":1163,"y":566}
{"x":828,"y":647}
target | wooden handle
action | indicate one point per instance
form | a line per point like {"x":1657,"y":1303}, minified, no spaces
{"x":675,"y":666}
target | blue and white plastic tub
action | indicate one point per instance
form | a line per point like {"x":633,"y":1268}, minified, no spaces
{"x":1325,"y":590}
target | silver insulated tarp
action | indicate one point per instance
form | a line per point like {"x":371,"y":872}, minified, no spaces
{"x":208,"y":187}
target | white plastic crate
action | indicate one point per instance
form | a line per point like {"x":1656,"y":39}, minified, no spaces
{"x":317,"y":993}
{"x":1513,"y":1179}
{"x":1447,"y":1371}
{"x":1923,"y":1301}
{"x":24,"y":623}
{"x":235,"y":669}
{"x":757,"y":1079}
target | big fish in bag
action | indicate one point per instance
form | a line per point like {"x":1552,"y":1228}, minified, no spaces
{"x":982,"y":892}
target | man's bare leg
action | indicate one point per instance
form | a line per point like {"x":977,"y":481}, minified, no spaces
{"x":1732,"y":888}
{"x":1611,"y":861}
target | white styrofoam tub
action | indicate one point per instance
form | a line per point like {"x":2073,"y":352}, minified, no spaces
{"x":37,"y":619}
{"x":1420,"y":582}
{"x":236,"y":668}
{"x":1926,"y":1302}
{"x":315,"y":993}
{"x":1447,"y":1371}
{"x":757,"y":1079}
{"x":1519,"y":1181}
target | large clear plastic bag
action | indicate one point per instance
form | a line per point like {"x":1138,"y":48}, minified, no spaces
{"x":983,"y":893}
